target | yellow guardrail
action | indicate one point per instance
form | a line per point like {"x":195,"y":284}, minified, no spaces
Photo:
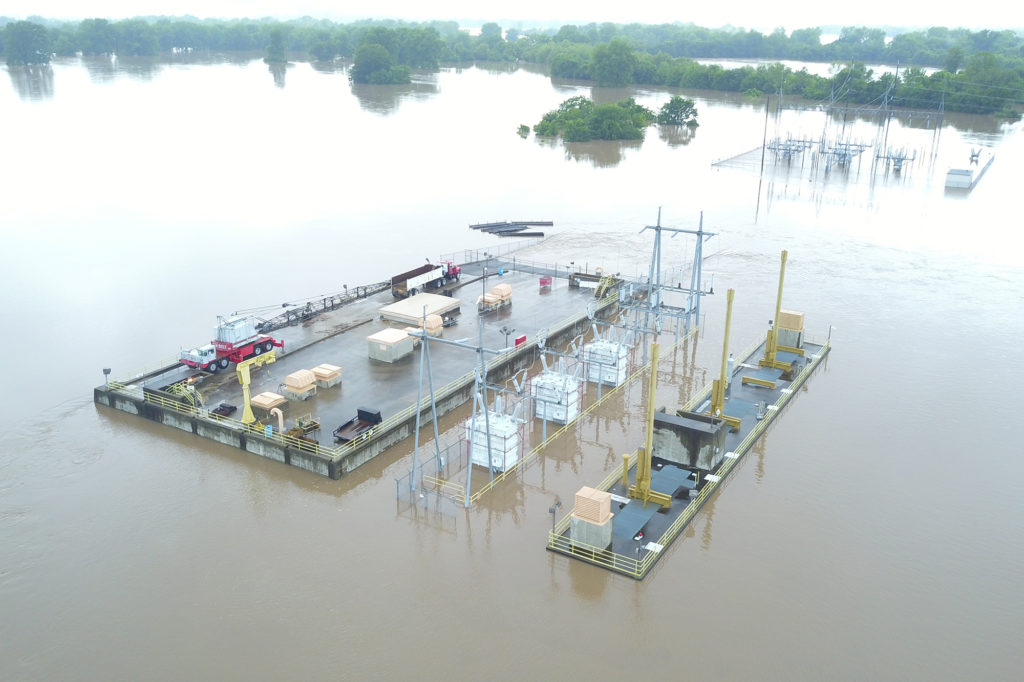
{"x":621,"y":563}
{"x":336,"y":453}
{"x":202,"y":413}
{"x":460,"y":382}
{"x":446,"y":487}
{"x":606,"y":395}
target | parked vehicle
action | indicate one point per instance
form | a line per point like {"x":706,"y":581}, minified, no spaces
{"x":235,"y":340}
{"x":423,"y":278}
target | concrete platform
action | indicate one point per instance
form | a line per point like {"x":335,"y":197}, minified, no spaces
{"x":388,"y":387}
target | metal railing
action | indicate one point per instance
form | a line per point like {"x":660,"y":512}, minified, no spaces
{"x":339,"y":452}
{"x":606,"y":395}
{"x":496,"y":251}
{"x":188,"y":410}
{"x":637,"y":568}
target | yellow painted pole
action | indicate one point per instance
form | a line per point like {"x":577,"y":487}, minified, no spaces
{"x":771,"y":342}
{"x":643,"y":465}
{"x":642,"y":488}
{"x":718,"y":387}
{"x":782,"y":277}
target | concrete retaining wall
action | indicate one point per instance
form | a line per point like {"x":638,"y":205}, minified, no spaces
{"x":364,"y":450}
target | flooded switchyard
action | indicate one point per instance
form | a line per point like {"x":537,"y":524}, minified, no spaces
{"x":873,"y":531}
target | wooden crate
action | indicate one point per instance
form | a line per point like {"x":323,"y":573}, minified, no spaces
{"x":790,"y":319}
{"x":301,"y":379}
{"x":592,"y":505}
{"x":268,"y":400}
{"x":326,"y":372}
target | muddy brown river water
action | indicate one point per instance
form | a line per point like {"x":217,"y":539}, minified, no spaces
{"x":875,"y":531}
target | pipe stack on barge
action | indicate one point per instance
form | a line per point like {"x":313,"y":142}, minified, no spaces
{"x":512,"y":229}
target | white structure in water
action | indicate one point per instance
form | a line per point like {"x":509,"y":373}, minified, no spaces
{"x":605,"y":361}
{"x":557,"y":394}
{"x":505,"y":440}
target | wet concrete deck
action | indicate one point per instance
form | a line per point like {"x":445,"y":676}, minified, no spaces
{"x":389,"y":387}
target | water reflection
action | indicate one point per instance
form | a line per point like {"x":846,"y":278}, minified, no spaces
{"x":32,"y":82}
{"x":676,"y":136}
{"x":496,"y":67}
{"x":588,"y":582}
{"x":101,"y":69}
{"x":278,"y":70}
{"x":142,"y":68}
{"x":104,"y":69}
{"x":602,"y":154}
{"x":329,"y":67}
{"x":384,"y":99}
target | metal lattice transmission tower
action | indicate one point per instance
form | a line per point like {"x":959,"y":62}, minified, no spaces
{"x":480,"y":396}
{"x":654,"y":309}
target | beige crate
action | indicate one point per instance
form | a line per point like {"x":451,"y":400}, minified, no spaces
{"x":268,"y":400}
{"x":593,"y":505}
{"x":299,"y":392}
{"x":594,"y":523}
{"x":326,"y":372}
{"x":503,"y":291}
{"x":301,"y":379}
{"x":791,"y":319}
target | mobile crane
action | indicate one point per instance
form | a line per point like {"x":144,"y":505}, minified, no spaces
{"x":235,"y":340}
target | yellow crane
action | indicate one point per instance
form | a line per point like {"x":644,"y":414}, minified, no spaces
{"x":242,"y":370}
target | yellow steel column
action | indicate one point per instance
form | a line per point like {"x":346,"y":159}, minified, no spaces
{"x":718,"y":386}
{"x":642,"y":488}
{"x":771,"y":341}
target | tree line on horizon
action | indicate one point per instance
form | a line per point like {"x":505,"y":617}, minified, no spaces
{"x":977,"y":71}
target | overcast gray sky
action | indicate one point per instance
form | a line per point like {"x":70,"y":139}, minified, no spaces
{"x":757,"y":14}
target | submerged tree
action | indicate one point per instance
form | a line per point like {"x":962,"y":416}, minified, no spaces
{"x":275,"y":50}
{"x":374,"y":64}
{"x":578,"y":119}
{"x":678,"y":111}
{"x":26,"y":43}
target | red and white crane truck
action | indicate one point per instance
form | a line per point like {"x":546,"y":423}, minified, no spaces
{"x":235,"y":340}
{"x":424,"y":277}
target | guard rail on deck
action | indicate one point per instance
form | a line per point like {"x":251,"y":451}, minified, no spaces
{"x":339,"y":452}
{"x":497,"y":251}
{"x":460,"y":490}
{"x":187,"y":410}
{"x":637,"y":568}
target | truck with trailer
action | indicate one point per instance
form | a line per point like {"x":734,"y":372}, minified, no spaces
{"x":235,"y":340}
{"x":425,"y":277}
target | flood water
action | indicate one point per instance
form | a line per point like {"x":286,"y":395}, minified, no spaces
{"x":875,"y":531}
